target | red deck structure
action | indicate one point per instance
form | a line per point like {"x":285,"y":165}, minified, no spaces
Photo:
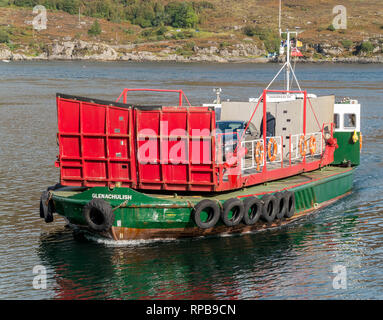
{"x":103,"y":143}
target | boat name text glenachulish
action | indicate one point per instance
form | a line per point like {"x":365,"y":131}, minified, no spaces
{"x":111,"y":196}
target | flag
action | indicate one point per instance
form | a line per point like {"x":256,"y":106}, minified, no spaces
{"x":296,"y":53}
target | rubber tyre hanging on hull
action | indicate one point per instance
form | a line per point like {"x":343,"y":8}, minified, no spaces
{"x":252,"y":210}
{"x":269,"y":208}
{"x":47,"y":207}
{"x":290,"y":204}
{"x":99,"y":215}
{"x":232,"y":213}
{"x":208,"y":207}
{"x":55,"y":187}
{"x":281,"y":204}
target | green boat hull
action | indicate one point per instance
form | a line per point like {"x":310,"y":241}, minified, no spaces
{"x":162,"y":216}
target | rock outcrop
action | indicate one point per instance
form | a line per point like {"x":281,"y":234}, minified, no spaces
{"x":246,"y":51}
{"x":81,"y":50}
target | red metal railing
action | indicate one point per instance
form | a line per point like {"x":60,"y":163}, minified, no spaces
{"x":269,"y":173}
{"x":181,"y":94}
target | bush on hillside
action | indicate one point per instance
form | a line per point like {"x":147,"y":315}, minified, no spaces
{"x":366,"y":47}
{"x":4,"y":36}
{"x":95,"y":29}
{"x":347,"y":44}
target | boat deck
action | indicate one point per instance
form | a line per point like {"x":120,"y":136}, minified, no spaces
{"x":258,"y":190}
{"x":269,"y":187}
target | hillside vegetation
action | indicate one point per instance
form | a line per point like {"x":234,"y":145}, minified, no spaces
{"x":221,"y":28}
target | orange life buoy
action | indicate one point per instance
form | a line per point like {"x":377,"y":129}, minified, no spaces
{"x":259,"y":154}
{"x":272,"y":149}
{"x":302,"y":145}
{"x":313,"y":145}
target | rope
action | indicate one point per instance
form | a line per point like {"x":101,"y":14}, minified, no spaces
{"x":248,"y":123}
{"x":220,"y":204}
{"x":312,"y":109}
{"x":121,"y":205}
{"x":50,"y":195}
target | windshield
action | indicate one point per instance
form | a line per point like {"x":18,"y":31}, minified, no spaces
{"x":230,"y":130}
{"x":226,"y":126}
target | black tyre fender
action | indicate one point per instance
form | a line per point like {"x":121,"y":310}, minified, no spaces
{"x":43,"y":206}
{"x":252,"y":210}
{"x":47,"y":207}
{"x":281,"y":204}
{"x":269,"y":208}
{"x":55,"y":187}
{"x":211,"y":208}
{"x":98,"y":214}
{"x":234,"y":206}
{"x":290,"y":204}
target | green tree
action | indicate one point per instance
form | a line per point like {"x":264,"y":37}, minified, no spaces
{"x":95,"y":29}
{"x":70,"y":6}
{"x":181,"y":15}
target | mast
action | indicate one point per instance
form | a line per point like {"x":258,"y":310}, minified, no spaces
{"x":288,"y":62}
{"x":280,"y":16}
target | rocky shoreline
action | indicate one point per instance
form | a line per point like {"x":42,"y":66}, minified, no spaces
{"x":239,"y":53}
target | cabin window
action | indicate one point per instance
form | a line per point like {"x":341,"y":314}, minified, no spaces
{"x":349,"y":120}
{"x":336,"y":120}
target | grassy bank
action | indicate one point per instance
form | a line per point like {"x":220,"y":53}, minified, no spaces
{"x":198,"y":28}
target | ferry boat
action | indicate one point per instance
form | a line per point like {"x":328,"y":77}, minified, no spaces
{"x":131,"y":172}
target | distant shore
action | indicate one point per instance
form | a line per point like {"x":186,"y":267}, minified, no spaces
{"x":361,"y":60}
{"x":241,"y":53}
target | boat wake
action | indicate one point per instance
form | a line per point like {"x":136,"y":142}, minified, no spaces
{"x":125,"y":243}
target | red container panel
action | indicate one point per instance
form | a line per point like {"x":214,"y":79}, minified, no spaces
{"x":96,"y":143}
{"x":173,"y":143}
{"x":161,"y":148}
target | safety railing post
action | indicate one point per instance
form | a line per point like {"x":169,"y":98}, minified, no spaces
{"x":180,"y":98}
{"x":282,"y":152}
{"x":264,"y":131}
{"x":290,"y":150}
{"x":304,"y":122}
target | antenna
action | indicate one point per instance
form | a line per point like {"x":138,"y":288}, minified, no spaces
{"x":287,"y":64}
{"x":280,"y":16}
